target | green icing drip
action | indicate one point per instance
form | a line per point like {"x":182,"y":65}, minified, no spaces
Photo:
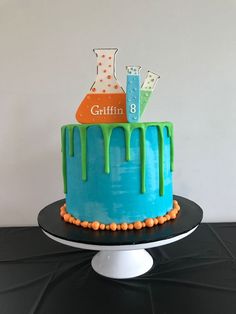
{"x":63,"y":149}
{"x":127,"y":142}
{"x":171,"y":149}
{"x":143,"y":158}
{"x":71,"y":140}
{"x":83,"y":141}
{"x":170,"y":134}
{"x":161,"y":159}
{"x":144,"y":98}
{"x":107,"y":132}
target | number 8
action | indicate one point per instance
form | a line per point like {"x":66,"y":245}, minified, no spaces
{"x":132,"y":108}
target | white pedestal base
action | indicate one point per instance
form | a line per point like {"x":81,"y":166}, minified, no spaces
{"x":121,"y":261}
{"x":122,"y":264}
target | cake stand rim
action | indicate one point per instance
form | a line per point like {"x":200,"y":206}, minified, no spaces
{"x":121,"y":247}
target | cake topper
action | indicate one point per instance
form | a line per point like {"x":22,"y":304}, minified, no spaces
{"x":106,"y":101}
{"x":133,"y":93}
{"x":147,"y":89}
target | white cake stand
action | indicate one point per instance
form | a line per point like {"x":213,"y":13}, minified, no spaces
{"x":121,"y":254}
{"x":121,"y":261}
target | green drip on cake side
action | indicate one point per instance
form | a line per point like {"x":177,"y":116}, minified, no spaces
{"x":83,"y":141}
{"x":63,"y":148}
{"x":107,"y":130}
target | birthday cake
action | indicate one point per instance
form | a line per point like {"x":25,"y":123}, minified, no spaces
{"x":117,"y":171}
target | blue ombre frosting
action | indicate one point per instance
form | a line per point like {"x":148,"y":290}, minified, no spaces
{"x":111,"y":188}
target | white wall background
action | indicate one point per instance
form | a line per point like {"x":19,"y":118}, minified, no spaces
{"x":47,"y":65}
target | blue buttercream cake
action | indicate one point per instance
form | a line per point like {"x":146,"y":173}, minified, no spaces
{"x":118,"y":173}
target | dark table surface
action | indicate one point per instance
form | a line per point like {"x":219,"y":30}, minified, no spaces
{"x":194,"y":275}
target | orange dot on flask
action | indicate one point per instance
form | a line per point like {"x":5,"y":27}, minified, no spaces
{"x":109,"y":77}
{"x":105,"y":71}
{"x":109,"y":65}
{"x":100,"y":80}
{"x":94,"y":89}
{"x":109,"y":85}
{"x":103,"y":56}
{"x":100,"y":63}
{"x":110,"y":57}
{"x":103,"y":90}
{"x":116,"y":86}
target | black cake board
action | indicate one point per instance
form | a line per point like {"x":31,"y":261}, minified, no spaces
{"x":188,"y":218}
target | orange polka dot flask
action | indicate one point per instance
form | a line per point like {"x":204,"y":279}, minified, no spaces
{"x":106,"y":101}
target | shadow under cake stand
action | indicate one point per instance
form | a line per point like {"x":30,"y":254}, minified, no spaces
{"x":121,"y":254}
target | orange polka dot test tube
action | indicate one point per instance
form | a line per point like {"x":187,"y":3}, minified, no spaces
{"x":106,"y":101}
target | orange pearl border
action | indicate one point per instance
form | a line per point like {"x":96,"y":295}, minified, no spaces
{"x":96,"y":225}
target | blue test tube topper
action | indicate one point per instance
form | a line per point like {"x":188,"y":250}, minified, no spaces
{"x":133,"y":93}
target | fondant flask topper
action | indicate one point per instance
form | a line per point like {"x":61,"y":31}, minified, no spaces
{"x":106,"y":101}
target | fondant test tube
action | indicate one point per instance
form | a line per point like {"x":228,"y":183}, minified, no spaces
{"x":147,"y":89}
{"x":133,"y":93}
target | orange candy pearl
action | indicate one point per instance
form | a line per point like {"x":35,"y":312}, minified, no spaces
{"x":124,"y":226}
{"x":84,"y":224}
{"x":96,"y":225}
{"x":161,"y":220}
{"x":172,"y":215}
{"x":167,"y":216}
{"x":77,"y":222}
{"x":138,"y":225}
{"x":67,"y":217}
{"x":71,"y":220}
{"x":149,"y":222}
{"x":113,"y":226}
{"x":175,"y":211}
{"x":102,"y":227}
